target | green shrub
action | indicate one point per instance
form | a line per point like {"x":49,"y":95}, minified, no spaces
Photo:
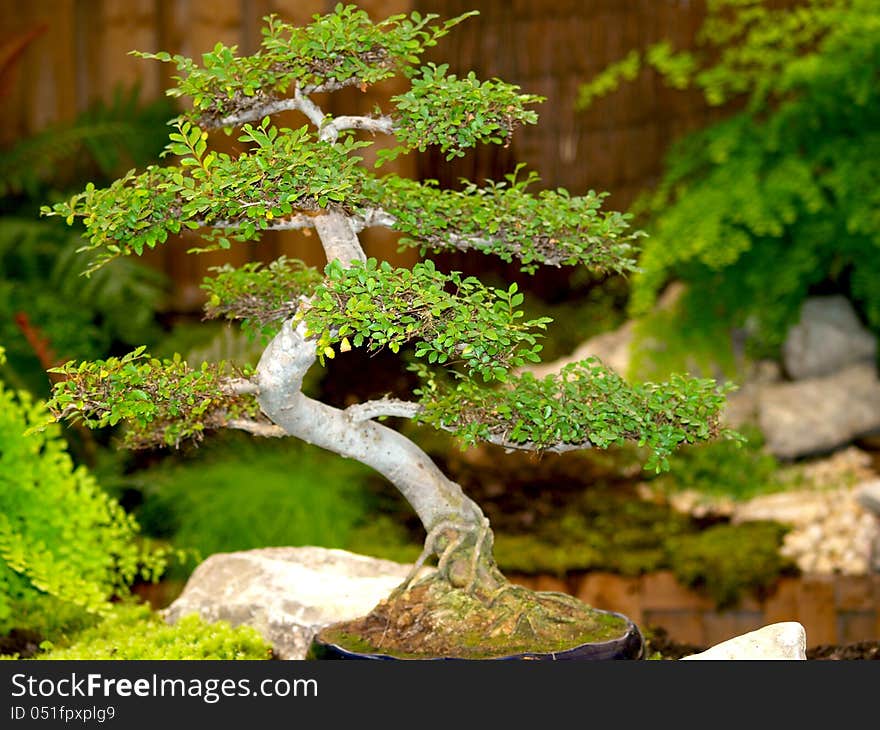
{"x":603,"y":528}
{"x":135,"y":632}
{"x":66,"y":548}
{"x":776,"y":202}
{"x":237,"y":493}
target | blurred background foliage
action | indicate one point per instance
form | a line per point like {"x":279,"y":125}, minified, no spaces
{"x":776,"y":202}
{"x":49,"y":312}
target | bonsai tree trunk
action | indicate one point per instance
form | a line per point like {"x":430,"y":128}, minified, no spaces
{"x":456,"y":528}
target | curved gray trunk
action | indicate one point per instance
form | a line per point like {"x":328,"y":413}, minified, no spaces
{"x":435,"y":498}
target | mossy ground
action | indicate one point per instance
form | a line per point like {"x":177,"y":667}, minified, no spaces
{"x":432,"y":619}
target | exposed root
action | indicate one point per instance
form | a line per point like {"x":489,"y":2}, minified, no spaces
{"x":449,"y":542}
{"x":478,"y":555}
{"x":429,"y":550}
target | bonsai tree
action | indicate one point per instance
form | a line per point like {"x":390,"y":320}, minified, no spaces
{"x":465,"y":340}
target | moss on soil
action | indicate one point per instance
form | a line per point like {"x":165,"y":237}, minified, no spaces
{"x":432,"y":619}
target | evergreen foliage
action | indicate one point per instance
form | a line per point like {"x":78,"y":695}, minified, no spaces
{"x":164,"y":402}
{"x":779,"y":200}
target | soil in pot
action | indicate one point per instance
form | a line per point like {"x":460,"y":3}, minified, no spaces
{"x":434,"y":620}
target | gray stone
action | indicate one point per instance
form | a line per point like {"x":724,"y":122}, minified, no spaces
{"x":868,"y":495}
{"x":828,"y":338}
{"x":785,"y":640}
{"x":287,"y":593}
{"x":815,"y":416}
{"x":612,"y":348}
{"x":741,"y":406}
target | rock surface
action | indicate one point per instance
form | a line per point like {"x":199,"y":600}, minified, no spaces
{"x":832,"y":532}
{"x":287,"y":593}
{"x":820,"y":414}
{"x":785,"y":640}
{"x":868,"y":495}
{"x":828,"y":338}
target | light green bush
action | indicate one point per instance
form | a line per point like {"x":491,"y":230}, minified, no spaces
{"x":774,"y":203}
{"x":135,"y":632}
{"x":66,"y":548}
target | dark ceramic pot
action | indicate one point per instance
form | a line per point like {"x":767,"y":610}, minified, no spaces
{"x":629,"y":646}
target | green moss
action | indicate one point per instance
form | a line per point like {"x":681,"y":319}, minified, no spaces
{"x":432,"y":619}
{"x":621,"y":534}
{"x":136,"y":632}
{"x":726,"y":559}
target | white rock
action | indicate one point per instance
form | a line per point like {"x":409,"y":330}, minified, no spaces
{"x":287,"y":593}
{"x":785,"y":640}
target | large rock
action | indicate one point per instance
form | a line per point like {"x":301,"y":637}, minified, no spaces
{"x":287,"y":593}
{"x":785,"y":640}
{"x":829,"y":337}
{"x":818,"y":415}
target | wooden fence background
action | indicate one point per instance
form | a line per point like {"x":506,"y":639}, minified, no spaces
{"x":547,"y":47}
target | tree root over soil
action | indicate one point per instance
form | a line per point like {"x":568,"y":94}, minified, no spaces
{"x":431,"y":618}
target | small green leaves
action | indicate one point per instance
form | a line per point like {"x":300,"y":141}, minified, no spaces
{"x":257,"y":294}
{"x":458,"y":113}
{"x":162,"y":402}
{"x":286,"y":172}
{"x":451,"y":319}
{"x":583,"y":405}
{"x":342,"y":48}
{"x":503,"y":219}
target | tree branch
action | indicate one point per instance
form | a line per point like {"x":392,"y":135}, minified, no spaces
{"x":508,"y":446}
{"x":242,"y":386}
{"x":253,"y":114}
{"x":371,"y":409}
{"x":382,"y":407}
{"x":330,"y":131}
{"x":268,"y":430}
{"x":339,"y":238}
{"x":295,"y":222}
{"x":299,"y":101}
{"x":309,"y":108}
{"x":372,"y":217}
